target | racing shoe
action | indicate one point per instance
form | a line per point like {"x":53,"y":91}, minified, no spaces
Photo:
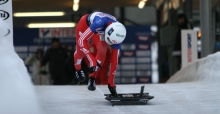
{"x":91,"y":84}
{"x":112,"y":90}
{"x":80,"y":76}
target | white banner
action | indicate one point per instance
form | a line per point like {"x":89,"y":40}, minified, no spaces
{"x":189,"y":47}
{"x":7,"y":16}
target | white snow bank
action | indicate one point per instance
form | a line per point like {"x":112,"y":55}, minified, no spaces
{"x":202,"y":70}
{"x":17,"y":95}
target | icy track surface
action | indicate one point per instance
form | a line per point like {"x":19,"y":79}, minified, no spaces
{"x":197,"y":92}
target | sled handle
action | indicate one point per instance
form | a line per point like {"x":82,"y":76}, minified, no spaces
{"x":142,"y":91}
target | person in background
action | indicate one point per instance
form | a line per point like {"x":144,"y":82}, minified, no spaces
{"x":182,"y":23}
{"x":56,"y":57}
{"x":68,"y":49}
{"x":39,"y":75}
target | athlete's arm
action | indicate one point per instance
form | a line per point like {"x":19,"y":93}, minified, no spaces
{"x":114,"y":63}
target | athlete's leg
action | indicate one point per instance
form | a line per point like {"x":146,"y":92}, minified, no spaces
{"x":79,"y":54}
{"x":102,"y":74}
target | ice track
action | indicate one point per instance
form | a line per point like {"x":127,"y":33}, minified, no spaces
{"x":193,"y":90}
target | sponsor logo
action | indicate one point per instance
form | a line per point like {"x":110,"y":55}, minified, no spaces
{"x":146,"y":80}
{"x":110,"y":31}
{"x":98,"y":29}
{"x":127,"y":95}
{"x":99,"y":21}
{"x":143,"y":38}
{"x":189,"y":45}
{"x":8,"y":33}
{"x":78,"y":61}
{"x":141,"y":46}
{"x":4,"y":15}
{"x":118,"y":35}
{"x":3,"y":1}
{"x":61,"y":33}
{"x":128,"y":53}
{"x":45,"y":32}
{"x":128,"y":60}
{"x":114,"y":42}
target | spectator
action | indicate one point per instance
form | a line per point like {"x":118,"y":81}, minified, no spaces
{"x":39,"y":75}
{"x":68,"y":49}
{"x":182,"y":24}
{"x":56,"y":56}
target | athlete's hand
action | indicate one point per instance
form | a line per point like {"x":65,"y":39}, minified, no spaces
{"x":99,"y":65}
{"x":93,"y":69}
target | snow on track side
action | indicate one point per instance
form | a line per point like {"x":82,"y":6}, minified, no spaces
{"x":203,"y":70}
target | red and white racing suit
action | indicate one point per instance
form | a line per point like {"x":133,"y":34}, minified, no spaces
{"x":93,"y":26}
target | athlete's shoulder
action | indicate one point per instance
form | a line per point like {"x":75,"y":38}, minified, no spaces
{"x":98,"y":21}
{"x":98,"y":24}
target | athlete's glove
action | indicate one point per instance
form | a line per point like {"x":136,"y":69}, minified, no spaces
{"x":94,"y":68}
{"x":112,"y":91}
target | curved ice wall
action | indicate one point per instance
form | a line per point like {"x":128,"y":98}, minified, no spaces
{"x":17,"y":95}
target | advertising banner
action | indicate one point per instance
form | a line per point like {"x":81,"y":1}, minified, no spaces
{"x":7,"y":16}
{"x":59,"y":32}
{"x":189,"y":47}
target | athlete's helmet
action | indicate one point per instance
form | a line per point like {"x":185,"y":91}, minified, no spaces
{"x":115,"y":33}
